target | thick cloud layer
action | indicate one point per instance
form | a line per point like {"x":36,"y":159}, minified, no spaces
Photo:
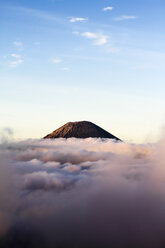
{"x":82,"y":193}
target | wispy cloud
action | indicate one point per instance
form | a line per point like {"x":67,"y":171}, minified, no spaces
{"x":78,"y":19}
{"x":125,"y":17}
{"x":99,"y":38}
{"x":18,"y":45}
{"x":65,"y":69}
{"x":15,"y":63}
{"x":108,"y":8}
{"x":56,"y":61}
{"x":14,"y":59}
{"x":39,"y":14}
{"x":75,"y":32}
{"x":14,"y":55}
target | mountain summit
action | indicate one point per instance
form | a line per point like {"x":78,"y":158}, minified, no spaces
{"x":80,"y":129}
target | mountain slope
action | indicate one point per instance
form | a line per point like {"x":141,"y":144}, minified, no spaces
{"x":81,"y":129}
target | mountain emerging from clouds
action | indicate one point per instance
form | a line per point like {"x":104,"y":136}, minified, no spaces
{"x":81,"y":129}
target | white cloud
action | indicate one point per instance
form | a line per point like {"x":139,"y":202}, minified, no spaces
{"x":99,"y":38}
{"x":89,"y":35}
{"x":78,"y":19}
{"x":76,"y":32}
{"x":16,"y":63}
{"x":13,"y":60}
{"x":56,"y":61}
{"x":18,"y":44}
{"x":39,"y":14}
{"x":66,"y":69}
{"x":16,"y":55}
{"x":108,"y":8}
{"x":88,"y":185}
{"x":112,"y":48}
{"x":124,"y":17}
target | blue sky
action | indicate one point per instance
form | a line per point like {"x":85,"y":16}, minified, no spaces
{"x":97,"y":60}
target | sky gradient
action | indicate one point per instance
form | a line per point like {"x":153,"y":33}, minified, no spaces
{"x":98,"y":60}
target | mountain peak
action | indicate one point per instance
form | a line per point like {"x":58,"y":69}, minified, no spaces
{"x":80,"y":129}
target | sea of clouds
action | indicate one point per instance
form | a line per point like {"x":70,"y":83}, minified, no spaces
{"x":82,"y":193}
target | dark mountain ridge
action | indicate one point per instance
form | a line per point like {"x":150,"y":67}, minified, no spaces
{"x":80,"y":129}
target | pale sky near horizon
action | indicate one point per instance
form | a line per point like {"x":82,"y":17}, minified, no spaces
{"x":71,"y":60}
